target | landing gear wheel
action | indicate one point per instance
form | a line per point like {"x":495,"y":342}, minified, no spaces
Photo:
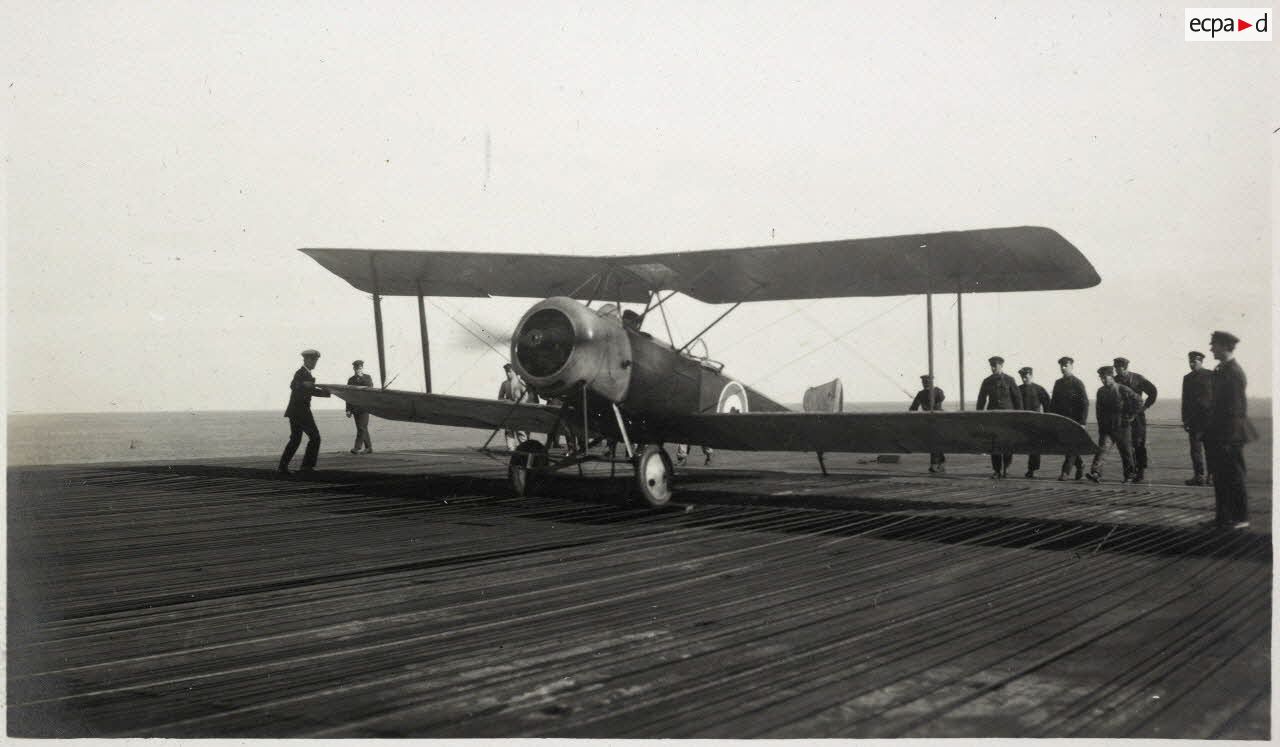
{"x":525,"y":470}
{"x":653,"y":476}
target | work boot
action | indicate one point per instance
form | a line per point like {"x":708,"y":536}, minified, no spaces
{"x":1094,"y":477}
{"x":1031,"y":475}
{"x":1197,"y":480}
{"x":1138,"y":478}
{"x":995,"y":475}
{"x":706,"y":461}
{"x":940,"y":469}
{"x":1064,"y":476}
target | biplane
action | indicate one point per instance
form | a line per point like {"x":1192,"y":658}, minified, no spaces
{"x":616,"y":381}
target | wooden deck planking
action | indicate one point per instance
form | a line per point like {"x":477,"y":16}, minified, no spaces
{"x":216,"y":600}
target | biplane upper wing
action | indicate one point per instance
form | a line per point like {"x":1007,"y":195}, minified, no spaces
{"x":443,"y":409}
{"x":895,"y":433}
{"x":1021,"y":258}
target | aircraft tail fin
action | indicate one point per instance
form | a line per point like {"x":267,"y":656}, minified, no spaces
{"x":828,"y":397}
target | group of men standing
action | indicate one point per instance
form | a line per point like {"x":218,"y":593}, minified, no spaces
{"x":1069,"y":398}
{"x":1214,"y":416}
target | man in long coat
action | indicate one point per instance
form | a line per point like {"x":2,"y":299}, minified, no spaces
{"x":1228,"y":431}
{"x":999,"y":392}
{"x":1071,"y":400}
{"x":1197,"y":405}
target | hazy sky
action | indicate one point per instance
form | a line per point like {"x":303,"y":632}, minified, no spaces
{"x":164,"y":161}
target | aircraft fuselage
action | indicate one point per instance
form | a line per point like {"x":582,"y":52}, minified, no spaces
{"x":560,"y":345}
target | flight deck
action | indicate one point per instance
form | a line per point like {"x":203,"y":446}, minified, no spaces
{"x":408,"y":594}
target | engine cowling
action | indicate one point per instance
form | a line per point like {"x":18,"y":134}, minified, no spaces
{"x":560,"y":343}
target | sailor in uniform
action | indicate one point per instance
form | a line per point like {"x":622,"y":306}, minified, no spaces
{"x":937,"y":462}
{"x":1197,"y":406}
{"x":301,"y":390}
{"x":1034,"y":399}
{"x":1117,"y":405}
{"x":361,"y":418}
{"x":1139,"y":384}
{"x":999,"y":392}
{"x":1070,"y":399}
{"x":1228,"y":431}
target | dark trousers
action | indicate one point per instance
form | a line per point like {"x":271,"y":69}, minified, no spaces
{"x":1138,"y":439}
{"x":1000,"y":462}
{"x":936,"y":459}
{"x":1197,"y":452}
{"x":362,"y":430}
{"x":1226,"y":464}
{"x":1120,"y":439}
{"x":1072,"y":460}
{"x":1033,"y":462}
{"x":297,"y":426}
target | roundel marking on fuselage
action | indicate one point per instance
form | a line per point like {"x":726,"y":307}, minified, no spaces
{"x":733,"y":398}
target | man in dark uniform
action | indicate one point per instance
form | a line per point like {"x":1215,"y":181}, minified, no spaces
{"x":937,"y":462}
{"x":999,"y":392}
{"x":1197,"y":404}
{"x":1117,"y":405}
{"x":1138,"y":383}
{"x":1070,"y":399}
{"x":1228,"y":431}
{"x":360,"y":378}
{"x":301,"y":389}
{"x":1034,"y":399}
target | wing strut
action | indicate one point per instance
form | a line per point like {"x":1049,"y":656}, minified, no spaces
{"x":377,"y":320}
{"x":426,"y":342}
{"x":928,"y":305}
{"x":960,"y":332}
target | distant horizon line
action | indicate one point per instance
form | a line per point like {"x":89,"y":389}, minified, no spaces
{"x":797,"y":405}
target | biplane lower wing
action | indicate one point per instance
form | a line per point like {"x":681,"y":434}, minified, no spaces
{"x":443,"y":409}
{"x":895,"y":433}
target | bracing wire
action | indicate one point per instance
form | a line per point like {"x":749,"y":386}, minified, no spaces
{"x":794,"y":310}
{"x":860,"y":356}
{"x":465,"y":372}
{"x":474,"y":334}
{"x":834,"y":340}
